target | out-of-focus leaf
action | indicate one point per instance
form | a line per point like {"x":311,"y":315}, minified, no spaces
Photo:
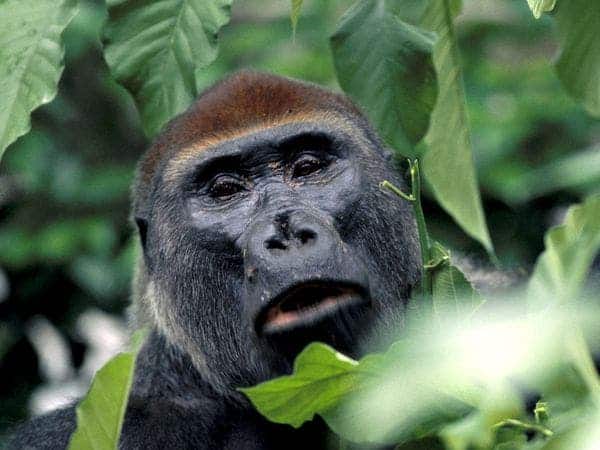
{"x":31,"y":54}
{"x":386,"y":65}
{"x":295,"y":13}
{"x":578,"y":65}
{"x":561,"y":270}
{"x":448,"y":160}
{"x":579,"y":172}
{"x":155,"y":47}
{"x":100,"y":414}
{"x":538,"y":7}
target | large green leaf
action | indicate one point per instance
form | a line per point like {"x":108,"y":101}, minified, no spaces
{"x":155,"y":46}
{"x":561,"y":270}
{"x":31,"y":60}
{"x":578,"y":65}
{"x":448,"y":160}
{"x":100,"y":414}
{"x":386,"y":65}
{"x":321,"y":378}
{"x":538,"y":7}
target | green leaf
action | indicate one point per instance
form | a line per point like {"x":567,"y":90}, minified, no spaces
{"x":453,"y":295}
{"x":321,"y":377}
{"x":31,"y":60}
{"x":578,"y":65}
{"x":154,"y":48}
{"x":386,"y":65}
{"x":295,"y":13}
{"x":448,"y":160}
{"x":538,"y":7}
{"x":100,"y":414}
{"x":561,"y":270}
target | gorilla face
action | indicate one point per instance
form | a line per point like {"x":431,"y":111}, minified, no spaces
{"x":266,"y":242}
{"x":261,"y":235}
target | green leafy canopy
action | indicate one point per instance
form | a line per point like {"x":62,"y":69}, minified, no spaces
{"x":31,"y":60}
{"x":389,"y":66}
{"x":154,"y":49}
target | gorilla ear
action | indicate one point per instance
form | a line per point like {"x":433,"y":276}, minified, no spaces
{"x":142,"y":225}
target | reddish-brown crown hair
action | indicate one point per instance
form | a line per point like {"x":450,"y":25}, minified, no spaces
{"x":243,"y":101}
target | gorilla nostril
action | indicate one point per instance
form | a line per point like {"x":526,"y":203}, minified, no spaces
{"x":275,"y":244}
{"x":306,"y":236}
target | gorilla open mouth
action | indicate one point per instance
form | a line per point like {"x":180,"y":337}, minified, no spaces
{"x":306,"y":304}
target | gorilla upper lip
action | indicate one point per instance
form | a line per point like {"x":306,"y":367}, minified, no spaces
{"x":306,"y":303}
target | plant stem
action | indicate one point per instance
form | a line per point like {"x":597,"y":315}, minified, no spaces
{"x":415,"y":199}
{"x":415,"y":178}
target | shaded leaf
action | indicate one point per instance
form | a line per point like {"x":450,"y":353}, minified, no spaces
{"x":154,"y":48}
{"x":100,"y":414}
{"x":452,"y":293}
{"x":448,"y":160}
{"x":561,"y":270}
{"x":578,"y":65}
{"x":31,"y":60}
{"x":386,"y":65}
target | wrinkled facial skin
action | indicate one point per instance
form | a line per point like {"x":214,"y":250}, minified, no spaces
{"x":268,"y":241}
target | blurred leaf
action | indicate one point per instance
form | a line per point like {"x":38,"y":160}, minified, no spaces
{"x":448,"y":160}
{"x":538,"y":7}
{"x":295,"y":13}
{"x":31,"y":54}
{"x":154,"y":48}
{"x":101,"y":412}
{"x":386,"y":65}
{"x":578,"y":65}
{"x":561,"y":270}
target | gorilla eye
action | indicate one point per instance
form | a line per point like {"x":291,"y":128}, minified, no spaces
{"x":224,"y":187}
{"x":306,"y":165}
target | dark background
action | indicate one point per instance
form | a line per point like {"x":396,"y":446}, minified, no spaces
{"x":66,"y":245}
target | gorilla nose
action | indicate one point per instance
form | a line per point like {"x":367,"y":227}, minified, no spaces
{"x":296,"y":236}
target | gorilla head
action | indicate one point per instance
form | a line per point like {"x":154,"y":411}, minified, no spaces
{"x":263,"y":229}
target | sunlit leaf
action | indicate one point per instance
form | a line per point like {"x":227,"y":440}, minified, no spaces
{"x":561,"y":270}
{"x":386,"y":65}
{"x":154,"y":48}
{"x":448,"y":160}
{"x":295,"y":13}
{"x":31,"y":60}
{"x":538,"y":7}
{"x":100,"y":414}
{"x":578,"y":65}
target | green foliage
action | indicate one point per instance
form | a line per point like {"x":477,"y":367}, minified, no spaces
{"x":31,"y":53}
{"x":570,"y":249}
{"x":100,"y":414}
{"x":448,"y":140}
{"x":578,"y":65}
{"x":538,"y":7}
{"x":155,"y":48}
{"x":386,"y":65}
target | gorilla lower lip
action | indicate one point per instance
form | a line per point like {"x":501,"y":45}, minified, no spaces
{"x":306,"y":304}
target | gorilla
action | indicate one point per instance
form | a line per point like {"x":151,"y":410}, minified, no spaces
{"x":262,"y":228}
